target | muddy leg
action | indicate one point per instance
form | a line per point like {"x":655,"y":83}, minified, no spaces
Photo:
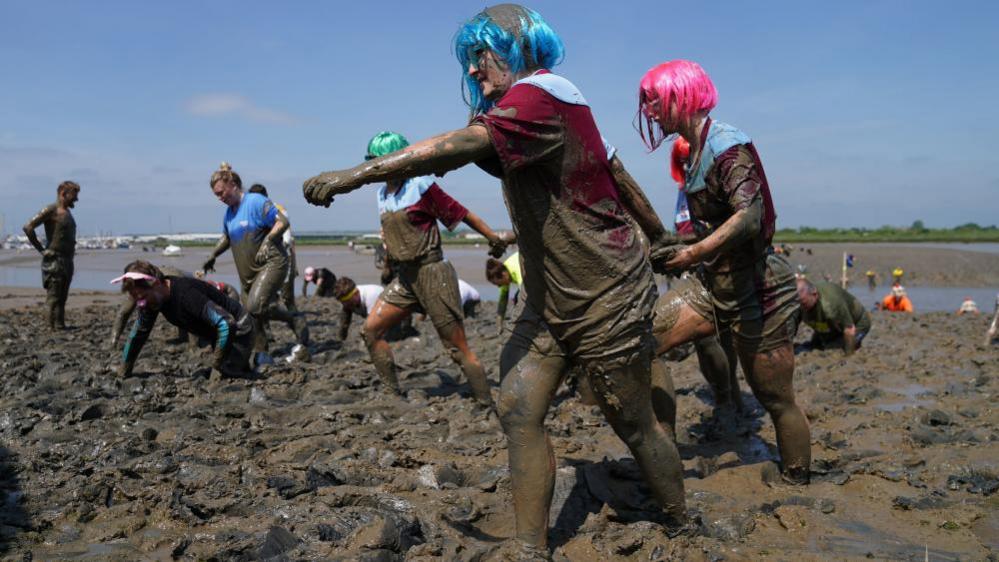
{"x":529,"y":385}
{"x":684,"y":325}
{"x":53,"y":302}
{"x":663,"y":397}
{"x":262,"y":303}
{"x":622,"y":388}
{"x":382,"y":318}
{"x":454,"y":335}
{"x":770,"y":375}
{"x":713,"y":360}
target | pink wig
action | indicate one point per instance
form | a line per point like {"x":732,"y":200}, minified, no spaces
{"x":680,"y":81}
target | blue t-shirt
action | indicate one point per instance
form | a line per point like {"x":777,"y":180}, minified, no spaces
{"x":255,"y":216}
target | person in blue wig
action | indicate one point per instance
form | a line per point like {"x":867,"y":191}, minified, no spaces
{"x":588,"y":282}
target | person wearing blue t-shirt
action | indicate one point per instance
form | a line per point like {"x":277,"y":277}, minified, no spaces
{"x":252,"y":229}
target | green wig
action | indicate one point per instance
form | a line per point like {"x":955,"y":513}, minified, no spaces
{"x":384,"y":143}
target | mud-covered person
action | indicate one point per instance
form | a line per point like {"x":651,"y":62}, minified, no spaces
{"x":503,"y":274}
{"x":409,"y":209}
{"x":725,"y":210}
{"x":253,"y":228}
{"x":589,"y":287}
{"x":836,"y":317}
{"x":355,"y":299}
{"x":128,"y":306}
{"x":58,"y":251}
{"x":288,"y":288}
{"x":324,"y":279}
{"x":189,"y":304}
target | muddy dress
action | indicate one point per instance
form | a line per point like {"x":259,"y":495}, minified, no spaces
{"x":413,"y":243}
{"x":247,"y":225}
{"x":589,"y":288}
{"x":200,"y":308}
{"x":57,"y":260}
{"x":752,"y":292}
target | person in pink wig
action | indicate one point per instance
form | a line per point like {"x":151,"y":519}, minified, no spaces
{"x":725,"y":217}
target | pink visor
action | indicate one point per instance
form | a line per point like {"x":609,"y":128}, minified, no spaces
{"x":136,"y":276}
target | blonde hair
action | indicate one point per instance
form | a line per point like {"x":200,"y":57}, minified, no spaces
{"x":225,"y":173}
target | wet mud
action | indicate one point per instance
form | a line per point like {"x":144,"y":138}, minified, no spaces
{"x":316,"y":462}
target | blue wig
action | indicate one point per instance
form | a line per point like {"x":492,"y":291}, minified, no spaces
{"x":516,"y":35}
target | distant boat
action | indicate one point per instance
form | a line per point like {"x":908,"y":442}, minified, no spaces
{"x":172,"y":251}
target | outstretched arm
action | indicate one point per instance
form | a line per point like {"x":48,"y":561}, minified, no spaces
{"x":436,"y":155}
{"x":31,"y":225}
{"x":136,"y":339}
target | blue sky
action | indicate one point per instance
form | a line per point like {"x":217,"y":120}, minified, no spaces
{"x":865,"y":113}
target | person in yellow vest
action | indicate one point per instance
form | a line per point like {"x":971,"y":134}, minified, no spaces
{"x":503,"y":274}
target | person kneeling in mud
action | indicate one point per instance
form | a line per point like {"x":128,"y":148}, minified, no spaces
{"x":503,"y":274}
{"x":128,"y":305}
{"x":322,"y":277}
{"x":355,"y":299}
{"x":836,"y":317}
{"x":190,"y":304}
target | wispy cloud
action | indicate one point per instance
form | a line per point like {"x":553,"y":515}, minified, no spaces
{"x":223,"y":104}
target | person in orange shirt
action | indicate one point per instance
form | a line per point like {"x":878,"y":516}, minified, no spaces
{"x":897,"y":301}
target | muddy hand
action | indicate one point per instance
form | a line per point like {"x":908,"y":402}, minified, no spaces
{"x":209,"y":265}
{"x":321,"y":189}
{"x":661,"y":256}
{"x":498,"y":245}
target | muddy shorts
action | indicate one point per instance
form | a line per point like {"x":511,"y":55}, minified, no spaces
{"x":533,"y":340}
{"x":432,"y":288}
{"x":759,"y":304}
{"x":57,"y":273}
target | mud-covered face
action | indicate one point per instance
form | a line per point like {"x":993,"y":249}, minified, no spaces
{"x":69,"y":198}
{"x":227,"y":192}
{"x":150,"y":297}
{"x":492,"y":74}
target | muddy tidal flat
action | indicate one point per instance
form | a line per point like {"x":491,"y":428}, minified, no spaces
{"x":311,"y":461}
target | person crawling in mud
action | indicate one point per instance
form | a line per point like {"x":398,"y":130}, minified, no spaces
{"x":836,"y":317}
{"x":355,"y":299}
{"x":189,"y":304}
{"x":322,"y":277}
{"x":128,"y":304}
{"x":57,"y":253}
{"x":896,"y":301}
{"x":725,"y":214}
{"x":409,"y":207}
{"x":503,"y":274}
{"x":589,"y":286}
{"x":253,"y":228}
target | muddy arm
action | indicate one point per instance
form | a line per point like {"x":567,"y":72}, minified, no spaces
{"x":497,"y":242}
{"x":741,"y":226}
{"x":849,"y":340}
{"x":638,"y":204}
{"x":124,"y":313}
{"x":345,"y":317}
{"x":436,"y":155}
{"x":220,"y":247}
{"x":30,"y":226}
